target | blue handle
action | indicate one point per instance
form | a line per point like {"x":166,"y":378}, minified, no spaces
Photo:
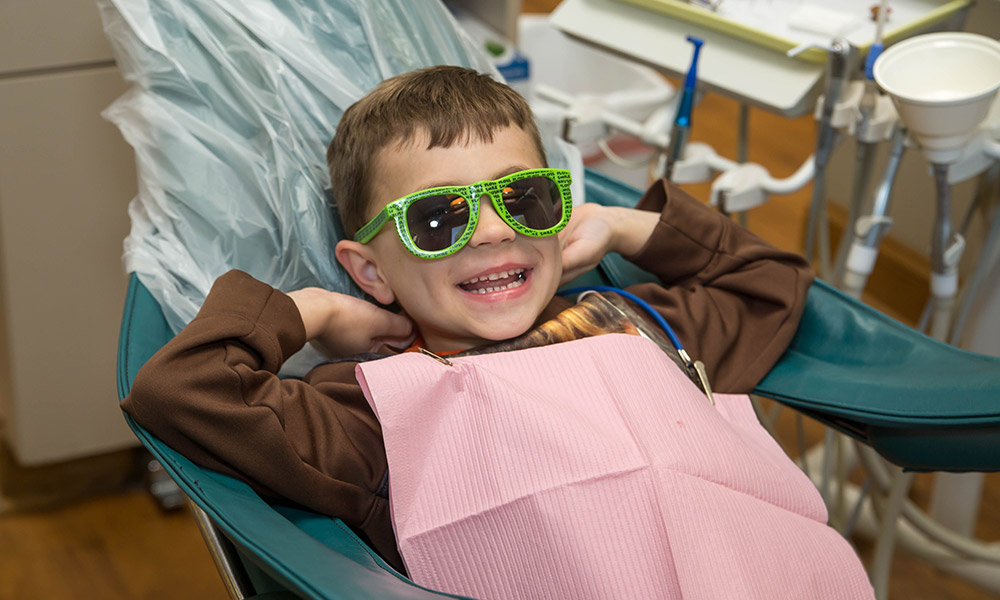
{"x":691,"y":81}
{"x":873,"y":54}
{"x":683,"y":116}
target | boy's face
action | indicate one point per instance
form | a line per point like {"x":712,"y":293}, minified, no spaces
{"x":442,"y":295}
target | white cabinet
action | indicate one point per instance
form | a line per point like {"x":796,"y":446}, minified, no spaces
{"x":66,"y":177}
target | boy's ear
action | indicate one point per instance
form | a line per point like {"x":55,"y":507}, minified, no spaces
{"x":361,"y":264}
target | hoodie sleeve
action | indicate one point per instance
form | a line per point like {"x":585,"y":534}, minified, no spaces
{"x":734,"y":300}
{"x":213,"y":394}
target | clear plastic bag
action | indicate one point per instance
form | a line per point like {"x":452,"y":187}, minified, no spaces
{"x":231,"y":106}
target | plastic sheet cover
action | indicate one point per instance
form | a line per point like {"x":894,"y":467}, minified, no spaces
{"x":230,"y":109}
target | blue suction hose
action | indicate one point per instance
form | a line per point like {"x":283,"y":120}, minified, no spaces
{"x":682,"y":120}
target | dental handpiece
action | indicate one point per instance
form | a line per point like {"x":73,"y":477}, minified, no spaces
{"x":682,"y":121}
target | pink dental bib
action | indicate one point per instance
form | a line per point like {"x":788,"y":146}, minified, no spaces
{"x":595,"y":469}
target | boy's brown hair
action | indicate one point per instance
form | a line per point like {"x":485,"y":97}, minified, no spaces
{"x":452,"y":104}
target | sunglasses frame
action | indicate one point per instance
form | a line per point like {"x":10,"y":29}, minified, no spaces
{"x":396,"y":210}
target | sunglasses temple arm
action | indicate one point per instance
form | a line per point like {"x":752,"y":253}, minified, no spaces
{"x":366,"y":233}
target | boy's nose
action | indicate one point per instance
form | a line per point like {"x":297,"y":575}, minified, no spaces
{"x":491,"y":229}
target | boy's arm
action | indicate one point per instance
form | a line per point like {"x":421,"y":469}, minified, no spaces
{"x":733,"y":299}
{"x":213,"y":394}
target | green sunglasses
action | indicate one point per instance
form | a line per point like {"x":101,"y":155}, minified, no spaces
{"x":440,"y":221}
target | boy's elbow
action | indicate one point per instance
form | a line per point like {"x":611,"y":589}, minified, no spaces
{"x":776,"y":314}
{"x":789,"y":305}
{"x":803,"y":270}
{"x":150,"y":396}
{"x":789,"y":277}
{"x":164,"y":393}
{"x":804,"y":277}
{"x":792,"y":280}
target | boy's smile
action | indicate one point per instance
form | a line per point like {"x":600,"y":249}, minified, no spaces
{"x":496,"y":286}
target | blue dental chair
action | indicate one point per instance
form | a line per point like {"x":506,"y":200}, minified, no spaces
{"x":921,"y":404}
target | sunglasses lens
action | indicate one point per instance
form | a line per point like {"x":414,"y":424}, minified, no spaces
{"x":436,"y":222}
{"x":535,"y":202}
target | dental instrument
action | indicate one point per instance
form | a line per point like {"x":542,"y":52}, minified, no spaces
{"x":682,"y":121}
{"x":838,"y":66}
{"x":870,"y":229}
{"x":947,"y":246}
{"x":865,"y":144}
{"x":989,"y":256}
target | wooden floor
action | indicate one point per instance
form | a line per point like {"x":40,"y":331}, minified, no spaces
{"x":120,"y":545}
{"x":114,"y":547}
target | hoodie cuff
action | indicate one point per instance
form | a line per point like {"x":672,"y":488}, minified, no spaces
{"x":687,"y":238}
{"x":271,"y":323}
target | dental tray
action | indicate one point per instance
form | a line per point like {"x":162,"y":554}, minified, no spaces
{"x":785,"y":24}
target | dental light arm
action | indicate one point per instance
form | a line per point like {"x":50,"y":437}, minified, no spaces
{"x":652,"y":132}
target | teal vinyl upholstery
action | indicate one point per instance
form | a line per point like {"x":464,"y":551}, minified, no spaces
{"x":920,"y":403}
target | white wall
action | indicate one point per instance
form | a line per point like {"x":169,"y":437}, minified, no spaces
{"x":66,"y":177}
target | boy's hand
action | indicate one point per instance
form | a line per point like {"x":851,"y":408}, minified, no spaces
{"x":341,"y":325}
{"x":594,"y":230}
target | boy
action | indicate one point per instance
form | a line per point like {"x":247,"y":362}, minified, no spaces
{"x":213,"y":394}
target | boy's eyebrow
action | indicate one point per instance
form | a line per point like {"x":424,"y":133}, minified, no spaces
{"x":502,"y":173}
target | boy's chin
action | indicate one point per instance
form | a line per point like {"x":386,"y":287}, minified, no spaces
{"x":481,"y":335}
{"x":506,"y":332}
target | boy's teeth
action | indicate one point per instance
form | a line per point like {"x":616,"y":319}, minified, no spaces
{"x":509,"y":286}
{"x":494,"y":276}
{"x":495,"y":282}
